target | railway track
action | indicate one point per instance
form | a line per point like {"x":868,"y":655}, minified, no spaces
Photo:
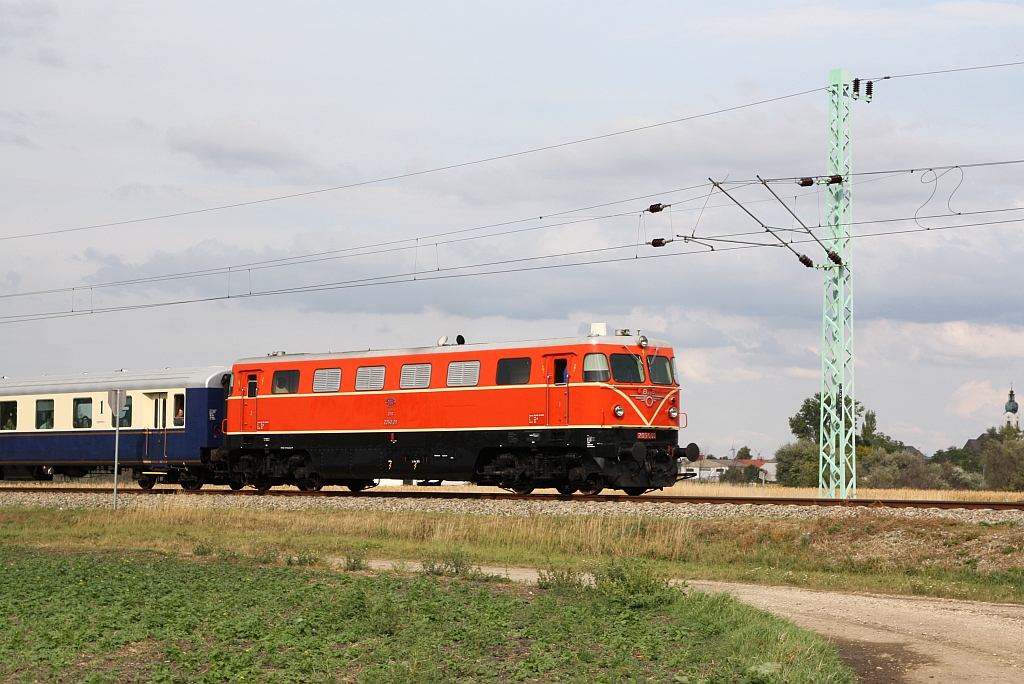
{"x":508,"y":496}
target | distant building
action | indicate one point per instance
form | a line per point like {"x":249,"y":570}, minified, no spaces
{"x":1010,"y":417}
{"x":712,"y":469}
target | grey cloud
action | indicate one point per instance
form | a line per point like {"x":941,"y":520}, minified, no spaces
{"x":142,"y":190}
{"x":50,"y":57}
{"x":17,"y":139}
{"x":20,"y":19}
{"x":233,"y":147}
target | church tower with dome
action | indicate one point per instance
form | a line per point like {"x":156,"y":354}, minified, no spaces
{"x":1011,"y":416}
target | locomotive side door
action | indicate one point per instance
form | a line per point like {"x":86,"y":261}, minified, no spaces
{"x":250,"y":391}
{"x":558,"y":373}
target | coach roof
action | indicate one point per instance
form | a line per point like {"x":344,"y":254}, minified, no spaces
{"x":163,"y":378}
{"x":609,"y":340}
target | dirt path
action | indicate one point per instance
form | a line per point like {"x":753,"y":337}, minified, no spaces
{"x":885,"y":639}
{"x":898,"y":639}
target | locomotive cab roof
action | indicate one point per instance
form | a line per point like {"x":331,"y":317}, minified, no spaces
{"x":593,"y":340}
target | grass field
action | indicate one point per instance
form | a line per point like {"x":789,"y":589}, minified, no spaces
{"x":107,"y":617}
{"x":924,"y":556}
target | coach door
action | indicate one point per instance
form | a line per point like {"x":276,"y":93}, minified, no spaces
{"x":250,"y":391}
{"x":558,"y":370}
{"x":156,"y":435}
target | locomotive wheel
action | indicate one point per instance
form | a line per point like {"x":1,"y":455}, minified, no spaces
{"x":193,"y":485}
{"x":236,"y":485}
{"x":523,"y":491}
{"x":263,"y":487}
{"x":591,"y":489}
{"x":565,"y":490}
{"x":356,"y":487}
{"x":634,"y":491}
{"x":147,"y":481}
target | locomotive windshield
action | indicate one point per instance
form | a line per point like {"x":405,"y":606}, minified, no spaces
{"x":661,"y":370}
{"x":627,"y":368}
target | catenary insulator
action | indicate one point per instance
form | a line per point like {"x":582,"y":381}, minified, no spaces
{"x":835,"y":258}
{"x":869,"y":88}
{"x":834,"y":180}
{"x":805,"y":182}
{"x":806,"y":261}
{"x":658,"y":242}
{"x":856,"y":87}
{"x":655,"y":208}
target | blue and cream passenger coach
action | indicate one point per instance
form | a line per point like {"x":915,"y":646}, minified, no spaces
{"x":62,"y":424}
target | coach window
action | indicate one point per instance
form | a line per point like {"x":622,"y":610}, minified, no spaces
{"x":179,"y":410}
{"x":126,"y":414}
{"x":661,"y":370}
{"x":595,"y":368}
{"x":463,"y":373}
{"x":82,"y":413}
{"x":513,"y":371}
{"x":627,"y":368}
{"x":285,"y":382}
{"x":327,"y":380}
{"x":8,"y":415}
{"x":415,"y":376}
{"x":44,"y":414}
{"x":369,"y":378}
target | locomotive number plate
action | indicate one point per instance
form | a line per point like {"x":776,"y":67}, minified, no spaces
{"x":647,"y":435}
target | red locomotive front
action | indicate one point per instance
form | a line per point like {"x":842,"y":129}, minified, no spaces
{"x":573,"y":414}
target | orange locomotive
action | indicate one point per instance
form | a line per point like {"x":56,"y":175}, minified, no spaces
{"x":577,"y":414}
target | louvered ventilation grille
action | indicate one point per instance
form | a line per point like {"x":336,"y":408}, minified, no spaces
{"x":463,"y":373}
{"x":327,"y":380}
{"x":415,"y":376}
{"x":370,"y":378}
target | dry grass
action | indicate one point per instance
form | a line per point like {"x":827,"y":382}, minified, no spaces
{"x":930,"y":556}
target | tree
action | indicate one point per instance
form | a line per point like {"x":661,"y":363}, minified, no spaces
{"x":884,"y":469}
{"x":1003,"y":456}
{"x":744,"y":452}
{"x":968,"y":460}
{"x":739,"y":475}
{"x":806,"y":424}
{"x":797,"y":464}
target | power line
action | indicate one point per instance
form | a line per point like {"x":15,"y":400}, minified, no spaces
{"x":453,"y":273}
{"x":411,"y":174}
{"x":945,"y":71}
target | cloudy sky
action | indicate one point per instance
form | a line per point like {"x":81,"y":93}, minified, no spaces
{"x":112,"y":112}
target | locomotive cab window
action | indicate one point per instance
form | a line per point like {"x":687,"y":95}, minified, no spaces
{"x":513,"y":371}
{"x":660,"y":369}
{"x":627,"y":368}
{"x":44,"y":414}
{"x":285,"y":382}
{"x":8,"y":415}
{"x":82,"y":413}
{"x":463,"y":373}
{"x":561,"y":375}
{"x":415,"y":376}
{"x":369,"y":378}
{"x":675,"y":373}
{"x":179,"y":410}
{"x":595,"y":368}
{"x":327,"y":380}
{"x":251,"y":387}
{"x":125,"y":419}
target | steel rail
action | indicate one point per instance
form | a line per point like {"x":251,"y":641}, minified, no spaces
{"x":509,"y":496}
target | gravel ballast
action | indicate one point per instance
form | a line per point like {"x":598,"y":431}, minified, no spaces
{"x":524,"y":508}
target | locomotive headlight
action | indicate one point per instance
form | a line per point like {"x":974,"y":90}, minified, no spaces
{"x":619,"y":411}
{"x":673,"y":413}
